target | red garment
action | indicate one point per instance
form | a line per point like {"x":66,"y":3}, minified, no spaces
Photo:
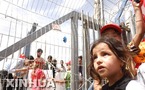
{"x":40,"y":62}
{"x":137,"y":65}
{"x":22,"y":56}
{"x":36,"y":76}
{"x":143,"y":40}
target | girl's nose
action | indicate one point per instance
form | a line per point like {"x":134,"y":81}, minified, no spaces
{"x":98,"y":60}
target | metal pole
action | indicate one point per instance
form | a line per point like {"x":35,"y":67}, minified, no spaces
{"x":83,"y":59}
{"x":93,"y":26}
{"x":97,"y":15}
{"x":117,"y":18}
{"x":102,"y":12}
{"x":86,"y":49}
{"x":74,"y":53}
{"x":132,"y":31}
{"x":132,"y":24}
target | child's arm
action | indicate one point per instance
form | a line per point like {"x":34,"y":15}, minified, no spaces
{"x":21,"y":70}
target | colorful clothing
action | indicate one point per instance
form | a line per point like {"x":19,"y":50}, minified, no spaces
{"x":40,"y":62}
{"x":67,"y":78}
{"x":140,"y":57}
{"x":37,"y":76}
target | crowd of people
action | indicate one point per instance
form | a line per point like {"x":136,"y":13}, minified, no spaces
{"x":39,"y":71}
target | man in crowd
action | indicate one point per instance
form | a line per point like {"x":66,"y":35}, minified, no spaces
{"x":39,"y":60}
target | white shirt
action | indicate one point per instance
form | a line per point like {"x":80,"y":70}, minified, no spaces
{"x":11,"y":65}
{"x":139,"y":82}
{"x":134,"y":85}
{"x":141,"y":74}
{"x":62,"y":69}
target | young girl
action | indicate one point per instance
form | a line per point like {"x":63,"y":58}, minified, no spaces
{"x":37,"y":77}
{"x":110,"y":60}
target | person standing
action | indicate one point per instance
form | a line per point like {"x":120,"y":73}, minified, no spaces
{"x":62,"y":68}
{"x":67,"y":77}
{"x":39,"y":60}
{"x":37,"y":77}
{"x":80,"y":64}
{"x":48,"y":63}
{"x":59,"y":76}
{"x":54,"y":67}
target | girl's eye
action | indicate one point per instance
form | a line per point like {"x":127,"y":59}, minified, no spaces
{"x":94,"y":57}
{"x":105,"y":54}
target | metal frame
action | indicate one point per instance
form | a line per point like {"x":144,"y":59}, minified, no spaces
{"x":30,"y":38}
{"x":74,"y":16}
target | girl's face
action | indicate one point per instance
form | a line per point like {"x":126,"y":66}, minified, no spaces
{"x":106,"y":63}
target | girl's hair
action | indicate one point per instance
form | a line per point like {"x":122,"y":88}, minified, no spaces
{"x":120,"y":52}
{"x":93,"y":73}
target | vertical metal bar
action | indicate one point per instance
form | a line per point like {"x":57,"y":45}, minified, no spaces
{"x":14,"y":39}
{"x":93,"y":26}
{"x":83,"y":59}
{"x":36,"y":49}
{"x":132,"y":31}
{"x":117,"y":18}
{"x":7,"y":44}
{"x":65,"y":52}
{"x":37,"y":5}
{"x":1,"y":39}
{"x":86,"y":48}
{"x":20,"y":38}
{"x":97,"y":11}
{"x":41,"y":6}
{"x":102,"y":12}
{"x":46,"y":43}
{"x":74,"y":53}
{"x":45,"y":48}
{"x":132,"y":24}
